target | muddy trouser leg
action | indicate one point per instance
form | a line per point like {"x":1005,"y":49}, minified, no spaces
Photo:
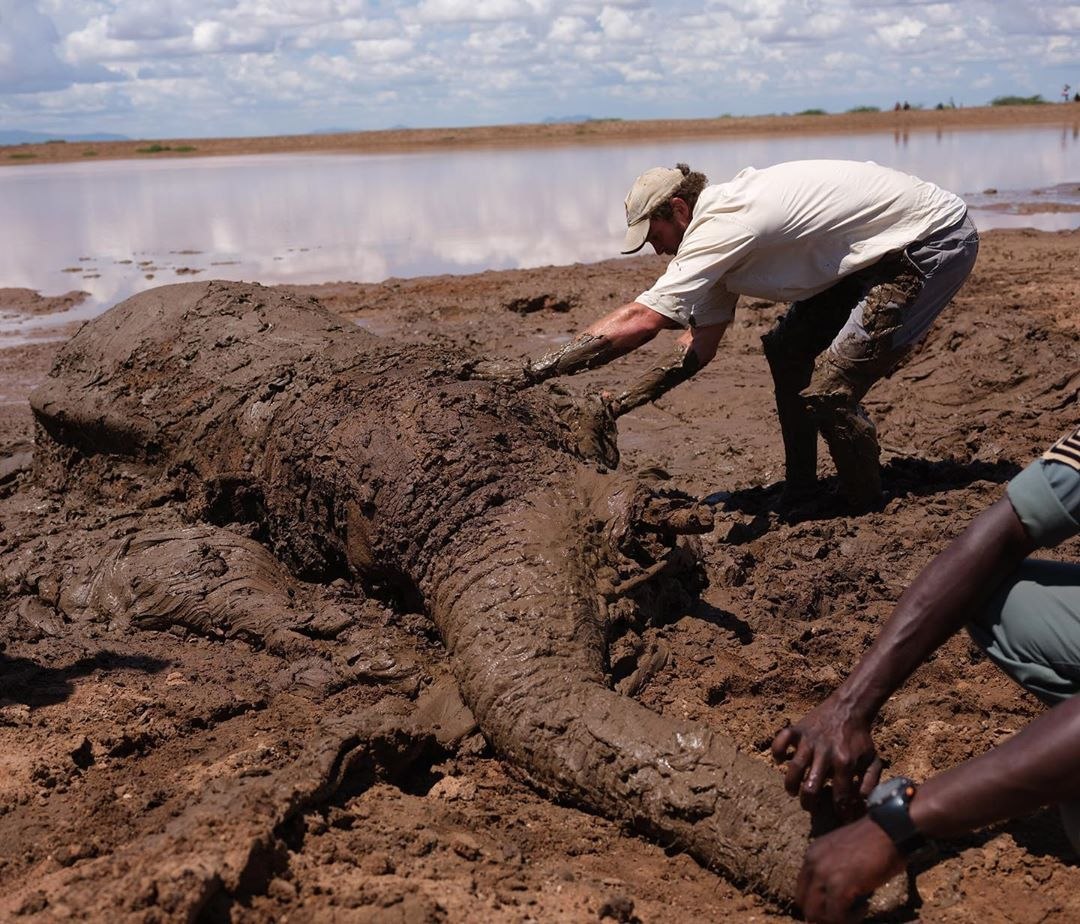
{"x":796,"y":339}
{"x":903,"y":294}
{"x":1030,"y":629}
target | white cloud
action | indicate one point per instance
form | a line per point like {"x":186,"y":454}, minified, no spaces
{"x":364,"y":63}
{"x":151,"y":19}
{"x":501,"y":37}
{"x":902,"y":33}
{"x":30,"y":61}
{"x":447,"y":11}
{"x":620,"y":26}
{"x":382,"y":49}
{"x":567,"y":29}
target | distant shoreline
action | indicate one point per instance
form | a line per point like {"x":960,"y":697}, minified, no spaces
{"x":598,"y":131}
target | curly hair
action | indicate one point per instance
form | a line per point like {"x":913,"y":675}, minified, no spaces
{"x":692,"y":185}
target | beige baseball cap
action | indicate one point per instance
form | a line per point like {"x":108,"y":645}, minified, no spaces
{"x":654,"y":187}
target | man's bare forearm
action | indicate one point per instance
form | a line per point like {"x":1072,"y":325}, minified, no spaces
{"x":937,"y":604}
{"x":587,"y":351}
{"x":614,"y":335}
{"x":1040,"y":765}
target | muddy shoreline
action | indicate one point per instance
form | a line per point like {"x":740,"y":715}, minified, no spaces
{"x":597,"y":131}
{"x":105,"y":736}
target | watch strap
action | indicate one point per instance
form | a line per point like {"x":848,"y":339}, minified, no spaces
{"x":892,"y":816}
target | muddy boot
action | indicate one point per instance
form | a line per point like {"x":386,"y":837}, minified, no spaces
{"x":833,"y":398}
{"x":852,"y":440}
{"x":791,"y":374}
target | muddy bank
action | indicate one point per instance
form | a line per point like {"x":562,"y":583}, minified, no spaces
{"x":126,"y":734}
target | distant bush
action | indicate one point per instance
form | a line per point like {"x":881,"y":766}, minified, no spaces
{"x":56,"y":141}
{"x":156,"y":148}
{"x":812,"y":112}
{"x":1035,"y":100}
{"x":89,"y":153}
{"x":22,"y":155}
{"x":865,"y":109}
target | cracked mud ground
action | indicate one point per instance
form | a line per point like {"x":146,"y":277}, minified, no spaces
{"x":121,"y":748}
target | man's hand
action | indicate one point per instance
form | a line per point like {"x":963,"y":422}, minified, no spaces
{"x":509,"y":371}
{"x":591,"y":430}
{"x":829,"y":743}
{"x":841,"y":871}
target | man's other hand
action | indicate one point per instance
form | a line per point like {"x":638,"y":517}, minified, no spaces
{"x":841,"y":871}
{"x":829,"y":744}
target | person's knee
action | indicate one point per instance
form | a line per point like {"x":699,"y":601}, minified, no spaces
{"x":831,"y":389}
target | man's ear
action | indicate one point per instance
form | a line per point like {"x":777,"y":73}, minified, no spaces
{"x":680,"y":210}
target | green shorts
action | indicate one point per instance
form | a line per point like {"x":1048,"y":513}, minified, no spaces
{"x":1031,"y":628}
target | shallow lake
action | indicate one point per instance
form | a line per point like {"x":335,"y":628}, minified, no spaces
{"x":117,"y":227}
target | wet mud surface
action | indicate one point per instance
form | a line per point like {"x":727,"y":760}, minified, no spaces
{"x":128,"y":749}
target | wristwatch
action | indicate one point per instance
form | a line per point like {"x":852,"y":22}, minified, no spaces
{"x":888,"y":808}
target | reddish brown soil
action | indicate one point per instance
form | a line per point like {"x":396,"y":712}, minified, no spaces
{"x":105,"y":740}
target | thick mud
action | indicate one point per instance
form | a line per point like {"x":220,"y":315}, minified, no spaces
{"x":316,"y":763}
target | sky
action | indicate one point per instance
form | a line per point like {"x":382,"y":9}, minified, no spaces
{"x":189,"y":69}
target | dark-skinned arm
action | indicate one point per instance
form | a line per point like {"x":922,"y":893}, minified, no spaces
{"x":1038,"y":766}
{"x":833,"y":741}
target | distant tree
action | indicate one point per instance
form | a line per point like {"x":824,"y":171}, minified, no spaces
{"x":1036,"y":100}
{"x":865,"y":109}
{"x":811,"y":112}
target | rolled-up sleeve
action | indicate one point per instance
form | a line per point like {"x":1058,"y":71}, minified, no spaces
{"x":691,"y":291}
{"x":1046,"y":498}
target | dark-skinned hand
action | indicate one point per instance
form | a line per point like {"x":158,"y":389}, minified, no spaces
{"x":842,"y":869}
{"x":829,"y":744}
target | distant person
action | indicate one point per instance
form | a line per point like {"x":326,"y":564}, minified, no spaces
{"x":907,"y":105}
{"x":867,"y":256}
{"x":1025,"y":614}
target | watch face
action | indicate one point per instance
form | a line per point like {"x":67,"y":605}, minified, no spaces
{"x":887,"y":790}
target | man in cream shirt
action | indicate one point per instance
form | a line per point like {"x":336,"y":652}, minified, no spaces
{"x":866,"y":256}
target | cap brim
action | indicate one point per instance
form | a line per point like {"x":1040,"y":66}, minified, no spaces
{"x":635,"y":236}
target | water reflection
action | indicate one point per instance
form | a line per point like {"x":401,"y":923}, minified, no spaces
{"x":114,"y":228}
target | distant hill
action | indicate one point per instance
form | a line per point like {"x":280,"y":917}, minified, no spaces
{"x":15,"y":136}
